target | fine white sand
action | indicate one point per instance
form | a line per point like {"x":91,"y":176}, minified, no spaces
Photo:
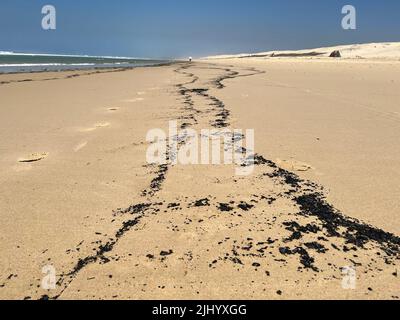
{"x":389,"y":50}
{"x":77,"y":193}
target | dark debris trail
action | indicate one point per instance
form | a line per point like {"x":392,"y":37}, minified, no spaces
{"x":324,"y":220}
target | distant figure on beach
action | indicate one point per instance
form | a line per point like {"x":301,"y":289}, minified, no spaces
{"x":190,"y":59}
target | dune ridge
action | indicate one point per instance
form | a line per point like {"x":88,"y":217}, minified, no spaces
{"x":386,"y":50}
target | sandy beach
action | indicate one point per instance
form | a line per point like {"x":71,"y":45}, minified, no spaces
{"x":77,"y":192}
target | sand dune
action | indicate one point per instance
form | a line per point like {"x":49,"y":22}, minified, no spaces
{"x":389,"y":50}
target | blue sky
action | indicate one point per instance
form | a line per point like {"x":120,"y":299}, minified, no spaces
{"x":180,"y":28}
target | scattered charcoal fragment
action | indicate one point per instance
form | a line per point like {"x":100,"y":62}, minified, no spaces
{"x":202,"y":203}
{"x":260,"y":160}
{"x":285,"y":251}
{"x":305,"y":259}
{"x":135,"y":209}
{"x":294,"y":226}
{"x":225,"y":207}
{"x":316,"y":246}
{"x":335,"y":247}
{"x":166,"y":253}
{"x":237,"y":261}
{"x":198,"y":91}
{"x":245,"y":206}
{"x":270,"y":200}
{"x":213,"y":263}
{"x":185,"y":125}
{"x":173,"y":205}
{"x":296,"y":235}
{"x":248,"y":247}
{"x":157,"y":182}
{"x":287,"y":177}
{"x":351,"y":230}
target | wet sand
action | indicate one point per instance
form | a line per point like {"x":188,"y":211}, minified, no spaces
{"x":78,"y":194}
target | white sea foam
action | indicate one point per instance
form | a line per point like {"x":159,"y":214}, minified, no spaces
{"x":22,"y":62}
{"x":46,"y":64}
{"x":11,"y":53}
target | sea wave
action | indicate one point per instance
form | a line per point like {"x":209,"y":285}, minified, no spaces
{"x":45,"y":64}
{"x":17,"y":62}
{"x":27,"y":54}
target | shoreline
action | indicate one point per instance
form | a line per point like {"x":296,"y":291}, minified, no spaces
{"x":75,"y":73}
{"x":88,"y":68}
{"x":91,"y":68}
{"x":26,"y":62}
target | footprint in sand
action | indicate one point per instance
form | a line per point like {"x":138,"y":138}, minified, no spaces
{"x":34,"y":157}
{"x":134,"y":100}
{"x":102,"y":125}
{"x":113,"y":109}
{"x":87,"y":130}
{"x":293,"y":165}
{"x":96,"y":126}
{"x":80,"y":146}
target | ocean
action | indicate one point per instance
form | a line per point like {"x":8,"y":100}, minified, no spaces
{"x":25,"y":62}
